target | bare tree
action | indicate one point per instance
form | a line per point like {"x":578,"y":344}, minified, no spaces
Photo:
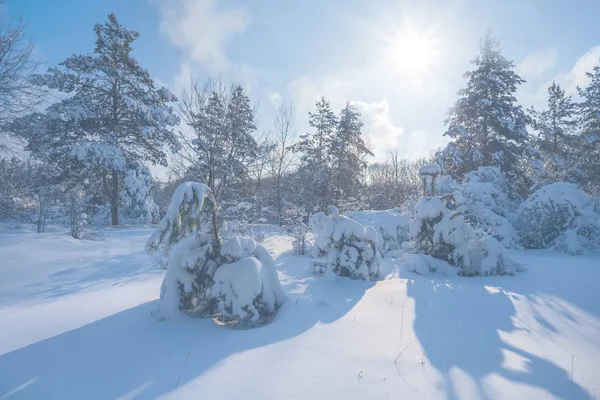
{"x":17,"y":65}
{"x":281,"y":157}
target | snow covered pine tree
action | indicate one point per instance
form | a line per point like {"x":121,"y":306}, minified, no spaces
{"x":233,"y":280}
{"x":486,"y":125}
{"x":113,"y":116}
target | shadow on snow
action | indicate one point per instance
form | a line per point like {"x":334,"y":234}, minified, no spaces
{"x":457,"y":322}
{"x":131,"y":352}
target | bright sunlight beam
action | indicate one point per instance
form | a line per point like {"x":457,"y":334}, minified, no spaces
{"x":412,"y":52}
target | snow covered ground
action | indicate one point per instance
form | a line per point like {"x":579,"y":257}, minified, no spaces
{"x":75,"y":323}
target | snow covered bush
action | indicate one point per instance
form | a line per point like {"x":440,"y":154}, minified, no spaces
{"x":136,"y":200}
{"x":561,"y":216}
{"x":439,"y":232}
{"x":232,"y":279}
{"x":445,"y":235}
{"x":487,"y":206}
{"x":484,"y":203}
{"x":391,"y":227}
{"x":350,"y":248}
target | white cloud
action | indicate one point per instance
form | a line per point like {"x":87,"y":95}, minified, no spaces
{"x":275,"y":99}
{"x":536,"y":93}
{"x":383,"y":135}
{"x":385,"y":129}
{"x":201,"y":28}
{"x":577,"y":75}
{"x":537,"y":63}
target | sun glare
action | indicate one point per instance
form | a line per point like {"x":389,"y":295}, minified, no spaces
{"x":413,"y":53}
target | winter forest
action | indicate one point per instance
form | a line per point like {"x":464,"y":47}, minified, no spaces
{"x":162,"y":243}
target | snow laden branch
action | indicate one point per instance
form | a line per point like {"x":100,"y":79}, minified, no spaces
{"x":231,"y":279}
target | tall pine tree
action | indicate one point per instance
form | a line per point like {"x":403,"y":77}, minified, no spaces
{"x":349,"y":151}
{"x":486,"y":125}
{"x":556,"y":126}
{"x":316,"y":157}
{"x":589,"y":122}
{"x":114,"y":114}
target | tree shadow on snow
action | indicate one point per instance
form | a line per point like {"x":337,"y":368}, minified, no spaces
{"x":457,"y":322}
{"x":132,"y":354}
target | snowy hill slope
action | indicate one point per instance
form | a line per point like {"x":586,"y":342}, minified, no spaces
{"x":75,"y":323}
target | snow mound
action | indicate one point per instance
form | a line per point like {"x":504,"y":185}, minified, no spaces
{"x":246,"y":290}
{"x":561,"y":216}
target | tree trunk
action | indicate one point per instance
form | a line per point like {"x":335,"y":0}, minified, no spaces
{"x":279,"y":211}
{"x":114,"y":199}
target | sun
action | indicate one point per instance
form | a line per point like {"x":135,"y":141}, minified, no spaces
{"x":414,"y":53}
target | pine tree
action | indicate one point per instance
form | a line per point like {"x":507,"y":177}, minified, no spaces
{"x":316,"y":159}
{"x":223,"y":147}
{"x":486,"y":124}
{"x":589,"y":122}
{"x":556,"y":126}
{"x":114,"y":113}
{"x":348,"y":150}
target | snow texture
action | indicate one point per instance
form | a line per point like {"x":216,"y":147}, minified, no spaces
{"x":75,"y":318}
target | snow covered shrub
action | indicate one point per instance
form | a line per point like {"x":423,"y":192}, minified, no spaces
{"x":391,"y":227}
{"x":78,"y":218}
{"x":445,"y":235}
{"x":484,"y":203}
{"x":487,"y":206}
{"x":138,"y":205}
{"x":350,"y":248}
{"x":559,"y":215}
{"x":441,"y":233}
{"x":232,"y":279}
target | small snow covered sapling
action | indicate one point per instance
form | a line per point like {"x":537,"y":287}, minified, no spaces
{"x":231,"y":279}
{"x":350,"y":248}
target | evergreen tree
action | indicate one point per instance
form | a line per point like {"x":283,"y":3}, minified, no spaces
{"x":223,"y":146}
{"x":589,"y":122}
{"x":556,"y":126}
{"x":114,"y":113}
{"x":316,"y":159}
{"x":486,"y":124}
{"x":348,"y":150}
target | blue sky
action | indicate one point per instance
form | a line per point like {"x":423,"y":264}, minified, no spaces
{"x":400,"y":62}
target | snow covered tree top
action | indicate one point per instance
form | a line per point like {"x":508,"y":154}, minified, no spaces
{"x":182,"y":218}
{"x":112,"y":99}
